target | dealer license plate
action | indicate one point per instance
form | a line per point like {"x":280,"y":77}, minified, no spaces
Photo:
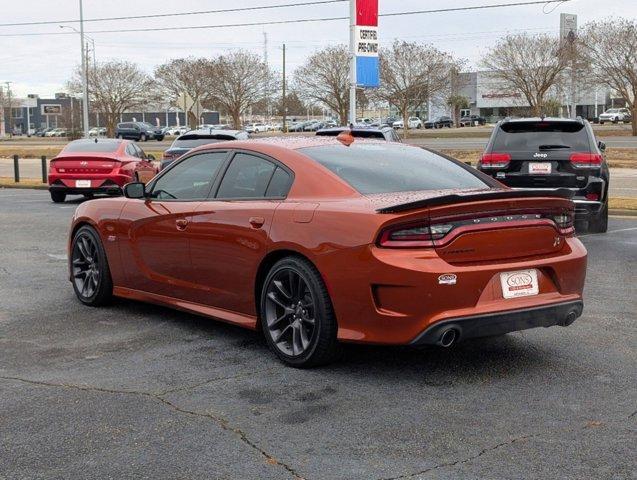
{"x":82,"y":183}
{"x":542,"y":168}
{"x":522,"y":283}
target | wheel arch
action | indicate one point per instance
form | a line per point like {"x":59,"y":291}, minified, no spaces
{"x":266,"y":264}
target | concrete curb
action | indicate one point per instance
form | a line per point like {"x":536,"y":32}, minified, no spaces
{"x":33,"y":187}
{"x":622,"y":212}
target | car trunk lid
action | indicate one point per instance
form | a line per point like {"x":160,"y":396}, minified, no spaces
{"x":485,"y":226}
{"x":84,"y":164}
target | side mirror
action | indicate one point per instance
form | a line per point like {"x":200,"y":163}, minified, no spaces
{"x":151,"y":157}
{"x":602,"y":146}
{"x":135,"y":190}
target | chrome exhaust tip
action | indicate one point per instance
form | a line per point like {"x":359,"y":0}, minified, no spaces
{"x":448,"y":337}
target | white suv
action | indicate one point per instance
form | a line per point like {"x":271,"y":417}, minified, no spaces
{"x":414,"y":122}
{"x":615,"y":115}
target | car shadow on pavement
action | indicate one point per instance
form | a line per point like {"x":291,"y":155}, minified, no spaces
{"x":475,"y":360}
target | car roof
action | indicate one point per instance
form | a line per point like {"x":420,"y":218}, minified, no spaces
{"x":542,"y":119}
{"x":210,"y":133}
{"x":290,"y":143}
{"x":355,"y":129}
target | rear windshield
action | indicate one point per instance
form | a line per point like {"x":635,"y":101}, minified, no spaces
{"x":84,"y":146}
{"x":383,"y":168}
{"x":196,"y":142}
{"x":534,"y":136}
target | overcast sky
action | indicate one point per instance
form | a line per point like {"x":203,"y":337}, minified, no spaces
{"x":42,"y":64}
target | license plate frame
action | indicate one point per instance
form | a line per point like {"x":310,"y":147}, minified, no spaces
{"x":540,"y":168}
{"x":519,"y":283}
{"x":82,"y":184}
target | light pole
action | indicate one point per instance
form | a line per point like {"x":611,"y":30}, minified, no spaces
{"x":84,"y":70}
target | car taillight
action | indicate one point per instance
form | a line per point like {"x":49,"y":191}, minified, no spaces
{"x":495,"y":160}
{"x":592,"y":196}
{"x":586,"y":160}
{"x":413,"y":236}
{"x":564,"y":222}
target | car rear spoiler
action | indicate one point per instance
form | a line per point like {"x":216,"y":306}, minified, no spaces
{"x":485,"y":195}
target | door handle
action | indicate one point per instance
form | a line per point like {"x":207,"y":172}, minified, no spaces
{"x":257,"y":222}
{"x":181,"y":224}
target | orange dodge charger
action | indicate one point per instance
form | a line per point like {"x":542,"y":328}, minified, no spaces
{"x":318,"y":241}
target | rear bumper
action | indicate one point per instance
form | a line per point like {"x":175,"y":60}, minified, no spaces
{"x":500,"y":323}
{"x":110,"y":189}
{"x":587,"y":209}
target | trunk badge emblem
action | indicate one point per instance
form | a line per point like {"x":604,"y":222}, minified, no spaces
{"x":557,"y":241}
{"x":84,"y":163}
{"x":447,"y":279}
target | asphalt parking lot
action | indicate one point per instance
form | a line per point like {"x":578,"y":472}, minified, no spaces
{"x":138,"y":391}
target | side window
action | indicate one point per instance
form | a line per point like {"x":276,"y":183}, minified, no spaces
{"x":190,"y":179}
{"x":138,"y":151}
{"x":130,"y":150}
{"x":279,"y":184}
{"x":247,"y":176}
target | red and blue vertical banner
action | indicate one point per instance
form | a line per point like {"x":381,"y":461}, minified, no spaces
{"x":366,"y":44}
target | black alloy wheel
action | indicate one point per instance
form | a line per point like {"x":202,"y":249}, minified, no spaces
{"x":297,"y":315}
{"x":90,"y":274}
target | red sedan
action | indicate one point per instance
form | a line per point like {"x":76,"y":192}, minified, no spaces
{"x":318,"y":242}
{"x":86,"y":167}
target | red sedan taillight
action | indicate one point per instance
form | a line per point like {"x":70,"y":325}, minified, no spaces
{"x":495,"y":160}
{"x":586,"y":160}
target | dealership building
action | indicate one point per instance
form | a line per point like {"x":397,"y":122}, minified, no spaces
{"x":64,"y":111}
{"x":490,"y":98}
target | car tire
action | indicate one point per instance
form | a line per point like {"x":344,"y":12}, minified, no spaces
{"x":599,"y":224}
{"x":297,"y":317}
{"x":601,"y":123}
{"x":90,"y":275}
{"x":616,"y":120}
{"x":143,"y":138}
{"x":58,"y":197}
{"x":120,"y":136}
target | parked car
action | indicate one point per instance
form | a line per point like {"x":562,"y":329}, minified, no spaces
{"x":56,"y":132}
{"x":314,"y":126}
{"x":383,"y":133}
{"x":175,"y":130}
{"x":413,"y":122}
{"x":255,"y":128}
{"x":472,"y":121}
{"x":139,"y":131}
{"x":615,"y":115}
{"x":318,"y":243}
{"x":42,"y":132}
{"x":440,"y":122}
{"x":297,"y":126}
{"x":92,"y":166}
{"x":550,"y":154}
{"x":97,"y":132}
{"x":196,"y":138}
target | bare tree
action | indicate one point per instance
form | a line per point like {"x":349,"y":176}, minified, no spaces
{"x":185,"y":76}
{"x":610,"y":46}
{"x":324,"y":79}
{"x":7,"y":104}
{"x":114,"y":88}
{"x":237,"y":81}
{"x":412,"y":74}
{"x":529,"y":64}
